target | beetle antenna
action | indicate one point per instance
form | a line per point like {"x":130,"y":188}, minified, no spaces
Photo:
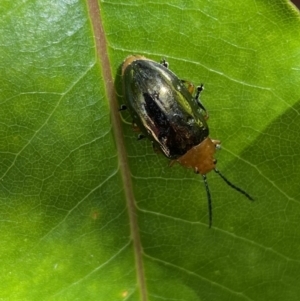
{"x":233,"y":186}
{"x":208,"y":199}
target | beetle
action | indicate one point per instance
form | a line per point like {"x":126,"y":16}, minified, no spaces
{"x":164,"y":109}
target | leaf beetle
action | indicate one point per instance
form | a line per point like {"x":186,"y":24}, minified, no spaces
{"x":164,"y":109}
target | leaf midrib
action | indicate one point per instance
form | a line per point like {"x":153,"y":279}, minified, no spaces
{"x":102,"y":54}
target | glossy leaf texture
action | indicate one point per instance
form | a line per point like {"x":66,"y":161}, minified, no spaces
{"x":67,"y":226}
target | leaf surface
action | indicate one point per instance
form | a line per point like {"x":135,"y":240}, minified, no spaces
{"x":77,"y":223}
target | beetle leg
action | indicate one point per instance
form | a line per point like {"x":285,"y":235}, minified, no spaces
{"x":141,"y":136}
{"x":164,"y":63}
{"x":123,"y":107}
{"x":197,"y":97}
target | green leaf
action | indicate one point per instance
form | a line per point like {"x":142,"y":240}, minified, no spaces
{"x":78,"y":223}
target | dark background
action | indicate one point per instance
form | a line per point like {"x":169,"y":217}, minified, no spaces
{"x":297,"y":3}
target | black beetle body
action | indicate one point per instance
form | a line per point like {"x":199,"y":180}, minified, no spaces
{"x":162,"y":107}
{"x":166,"y":112}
